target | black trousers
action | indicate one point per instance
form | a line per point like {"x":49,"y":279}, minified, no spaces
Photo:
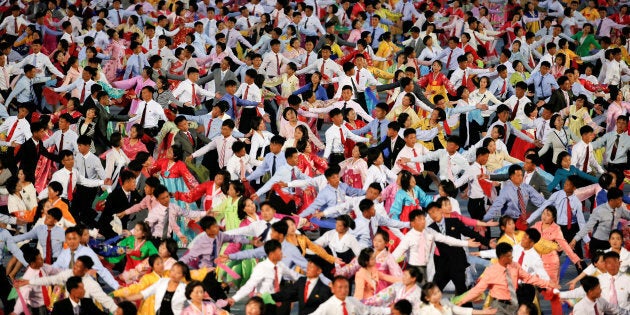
{"x":213,"y":287}
{"x":569,"y":234}
{"x":596,"y":245}
{"x":477,"y":209}
{"x":444,"y":273}
{"x":5,"y":287}
{"x":81,"y":207}
{"x":281,"y":206}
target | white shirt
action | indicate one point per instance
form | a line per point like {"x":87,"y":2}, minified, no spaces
{"x":153,"y":115}
{"x":63,"y":176}
{"x":254,"y":229}
{"x":379,"y":174}
{"x":407,"y":152}
{"x":9,"y":24}
{"x":21,"y":133}
{"x":89,"y":165}
{"x":520,"y":112}
{"x":69,"y":141}
{"x":578,"y":155}
{"x":339,"y":245}
{"x":184,"y":92}
{"x":470,"y":176}
{"x":253,"y":92}
{"x":263,"y":277}
{"x":334,"y":142}
{"x":222,"y":145}
{"x":410,"y":245}
{"x":587,"y":307}
{"x":334,"y":306}
{"x":330,"y":67}
{"x":78,"y":87}
{"x":40,"y":61}
{"x":341,"y":105}
{"x":450,"y":165}
{"x":273,"y":63}
{"x":234,"y":165}
{"x":621,"y":288}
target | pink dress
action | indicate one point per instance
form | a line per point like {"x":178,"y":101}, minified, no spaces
{"x":386,"y":264}
{"x":112,"y":68}
{"x":45,"y":167}
{"x":615,"y":110}
{"x":207,"y":308}
{"x":353,"y":172}
{"x":132,"y":150}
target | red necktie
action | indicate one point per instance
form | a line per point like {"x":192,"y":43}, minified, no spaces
{"x":10,"y":136}
{"x":83,"y":92}
{"x":595,"y":308}
{"x":503,"y":88}
{"x":357,"y":77}
{"x":15,"y":25}
{"x":569,"y":214}
{"x":278,"y":63}
{"x":415,"y":62}
{"x":417,"y":164}
{"x":322,"y":68}
{"x":520,"y":259}
{"x":61,"y":143}
{"x":249,"y":25}
{"x":308,"y":282}
{"x":45,"y":291}
{"x":306,"y":62}
{"x":246,"y":92}
{"x":276,"y":281}
{"x":119,"y":18}
{"x":343,"y":306}
{"x":48,"y":248}
{"x":447,"y":128}
{"x":190,"y":138}
{"x":144,"y":114}
{"x":150,"y":44}
{"x":448,"y":61}
{"x":70,"y":187}
{"x":194,"y":96}
{"x":343,"y":139}
{"x":275,"y":21}
{"x":234,"y":105}
{"x":515,"y":111}
{"x":586,"y":158}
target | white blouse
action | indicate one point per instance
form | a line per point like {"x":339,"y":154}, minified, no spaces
{"x":260,"y":142}
{"x":115,"y":160}
{"x":379,"y":174}
{"x":339,"y":245}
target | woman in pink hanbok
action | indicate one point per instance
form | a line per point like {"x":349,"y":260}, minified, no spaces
{"x":135,"y":83}
{"x":45,"y":167}
{"x":132,"y":145}
{"x":354,"y":169}
{"x":385,"y":262}
{"x":311,"y":165}
{"x":116,"y":51}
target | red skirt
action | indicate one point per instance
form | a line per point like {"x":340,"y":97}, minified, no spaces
{"x":521,"y":146}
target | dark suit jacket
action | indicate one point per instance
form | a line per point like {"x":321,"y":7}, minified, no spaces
{"x":100,"y":136}
{"x":295,"y":292}
{"x":454,"y":257}
{"x":88,"y":103}
{"x":419,"y":92}
{"x":116,"y":202}
{"x":28,"y":155}
{"x":389,"y":156}
{"x":64,"y":307}
{"x":219,"y":85}
{"x":538,"y":182}
{"x":180,"y":139}
{"x":557,"y":102}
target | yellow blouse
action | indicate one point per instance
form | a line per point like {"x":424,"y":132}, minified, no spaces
{"x":396,"y":111}
{"x":425,"y":124}
{"x":147,"y":305}
{"x":495,"y":160}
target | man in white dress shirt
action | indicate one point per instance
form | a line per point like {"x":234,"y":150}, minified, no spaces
{"x":411,"y":150}
{"x":593,"y":303}
{"x":346,"y":102}
{"x":149,"y":112}
{"x":342,"y":304}
{"x":259,"y":228}
{"x":190,"y":93}
{"x":451,"y":162}
{"x":336,"y":136}
{"x":81,"y":88}
{"x":582,"y":155}
{"x":274,"y":62}
{"x":327,"y":67}
{"x":12,"y":24}
{"x":64,"y":138}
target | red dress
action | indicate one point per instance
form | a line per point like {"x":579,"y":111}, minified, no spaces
{"x":347,"y":152}
{"x":208,"y":189}
{"x":310,"y":166}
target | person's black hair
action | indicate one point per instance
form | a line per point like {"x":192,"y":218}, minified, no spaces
{"x":30,"y":253}
{"x":56,"y":187}
{"x":416,"y":213}
{"x":532,"y":309}
{"x":171,"y":247}
{"x":258,"y":301}
{"x":376,"y":186}
{"x":365,"y":205}
{"x":614,"y":193}
{"x":553,"y":211}
{"x":403,"y":307}
{"x":289,"y":152}
{"x":335,"y":112}
{"x":152,"y":182}
{"x":126,"y":175}
{"x":330,"y":171}
{"x":185,"y":270}
{"x":277,"y":140}
{"x":55,"y":213}
{"x":513,"y":169}
{"x":502,"y":249}
{"x":427,"y":289}
{"x":191,"y":286}
{"x":87,"y":261}
{"x":533,"y":234}
{"x":432,"y":205}
{"x":405,"y":179}
{"x":128,"y":308}
{"x":372,"y":156}
{"x":73,"y":283}
{"x":364,"y":257}
{"x":482,"y":151}
{"x":605,"y":180}
{"x":347,"y":221}
{"x":271,"y":246}
{"x":611,"y":254}
{"x":280,"y":227}
{"x":586,"y":129}
{"x":206,"y":222}
{"x":589,"y":283}
{"x":153,"y":258}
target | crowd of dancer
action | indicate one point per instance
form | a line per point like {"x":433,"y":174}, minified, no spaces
{"x":328,"y":157}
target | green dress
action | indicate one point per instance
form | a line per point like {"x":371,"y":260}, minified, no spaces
{"x":584,"y":45}
{"x":147,"y":249}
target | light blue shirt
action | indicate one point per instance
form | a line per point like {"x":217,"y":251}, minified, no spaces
{"x":543,"y":85}
{"x":230,"y":99}
{"x":23,"y":92}
{"x":215,"y":126}
{"x":6,"y":239}
{"x":373,"y":127}
{"x":330,"y":196}
{"x":63,"y":261}
{"x":40,"y":232}
{"x":291,"y":255}
{"x":286,"y":174}
{"x":362,"y":228}
{"x":135,"y":63}
{"x":497,"y":86}
{"x":507,"y":201}
{"x":267,"y":165}
{"x":559,"y":200}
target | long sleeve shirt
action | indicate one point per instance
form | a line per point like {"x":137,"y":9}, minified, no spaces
{"x":603,"y":220}
{"x":364,"y":226}
{"x":68,"y":137}
{"x":157,"y":215}
{"x":578,"y":157}
{"x":334,"y":142}
{"x":350,"y":305}
{"x":184,"y":93}
{"x":34,"y":296}
{"x":343,"y":105}
{"x":263,"y":277}
{"x":543,"y":85}
{"x":559,"y":200}
{"x":41,"y":61}
{"x":23,"y":91}
{"x":255,"y":229}
{"x":6,"y":240}
{"x":63,"y":177}
{"x":21,"y":133}
{"x":450,"y":165}
{"x":201,"y":248}
{"x":508,"y":198}
{"x":154,"y":113}
{"x":284,"y":174}
{"x":416,"y":245}
{"x":40,"y":232}
{"x":135,"y":64}
{"x":63,"y":261}
{"x":330,"y":196}
{"x":608,"y":141}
